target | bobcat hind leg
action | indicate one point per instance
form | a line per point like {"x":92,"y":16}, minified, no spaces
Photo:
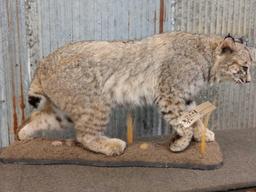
{"x":90,"y":127}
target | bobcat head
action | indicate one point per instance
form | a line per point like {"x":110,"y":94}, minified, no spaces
{"x":232,"y":61}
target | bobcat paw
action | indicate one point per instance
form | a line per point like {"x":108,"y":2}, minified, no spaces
{"x":114,"y":147}
{"x":26,"y":133}
{"x":180,"y":144}
{"x":209,"y":136}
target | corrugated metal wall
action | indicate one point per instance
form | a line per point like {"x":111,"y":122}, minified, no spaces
{"x":14,"y":78}
{"x":48,"y":24}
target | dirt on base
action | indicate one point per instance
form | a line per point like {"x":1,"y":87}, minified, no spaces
{"x":145,"y":153}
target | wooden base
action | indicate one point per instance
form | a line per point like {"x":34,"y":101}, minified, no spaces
{"x":146,"y":153}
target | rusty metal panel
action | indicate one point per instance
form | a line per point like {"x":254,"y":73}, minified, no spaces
{"x":13,"y":69}
{"x":4,"y":130}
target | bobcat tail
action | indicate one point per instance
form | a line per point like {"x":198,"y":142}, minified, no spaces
{"x":36,"y":96}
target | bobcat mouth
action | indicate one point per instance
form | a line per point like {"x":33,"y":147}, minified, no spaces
{"x":239,"y":81}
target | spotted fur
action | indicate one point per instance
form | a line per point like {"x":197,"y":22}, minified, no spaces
{"x":86,"y":79}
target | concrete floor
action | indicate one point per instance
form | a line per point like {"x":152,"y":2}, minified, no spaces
{"x":239,"y":170}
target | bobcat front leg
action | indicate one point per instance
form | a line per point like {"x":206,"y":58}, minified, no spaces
{"x":172,"y":108}
{"x":198,"y":129}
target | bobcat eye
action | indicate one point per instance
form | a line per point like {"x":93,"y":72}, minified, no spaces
{"x":245,"y":68}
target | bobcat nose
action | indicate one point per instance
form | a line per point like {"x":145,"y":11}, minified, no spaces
{"x":247,"y":81}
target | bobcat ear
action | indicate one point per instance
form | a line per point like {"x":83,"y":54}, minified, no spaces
{"x":241,"y":40}
{"x":228,"y":44}
{"x":229,"y":36}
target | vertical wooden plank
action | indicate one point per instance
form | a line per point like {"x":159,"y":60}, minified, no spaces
{"x":151,"y":17}
{"x":75,"y":19}
{"x":172,"y":15}
{"x":177,"y":6}
{"x":190,"y":16}
{"x":196,"y":17}
{"x":202,"y":16}
{"x":138,"y":19}
{"x":33,"y":33}
{"x":4,"y":123}
{"x":200,"y":21}
{"x":45,"y":28}
{"x":11,"y":69}
{"x":16,"y":64}
{"x":219,"y":16}
{"x":143,"y":12}
{"x":183,"y":15}
{"x":97,"y":17}
{"x":51,"y":20}
{"x":22,"y":60}
{"x":236,"y":17}
{"x":241,"y":17}
{"x":230,"y":16}
{"x":125,"y":20}
{"x":251,"y":18}
{"x":246,"y":18}
{"x":111,"y":20}
{"x":115,"y":20}
{"x":4,"y":89}
{"x":207,"y":17}
{"x":213,"y":17}
{"x":85,"y":24}
{"x":167,"y":17}
{"x":104,"y":20}
{"x":254,"y":26}
{"x":224,"y":18}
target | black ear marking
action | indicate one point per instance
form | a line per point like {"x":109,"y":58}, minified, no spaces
{"x":34,"y":101}
{"x":229,"y":36}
